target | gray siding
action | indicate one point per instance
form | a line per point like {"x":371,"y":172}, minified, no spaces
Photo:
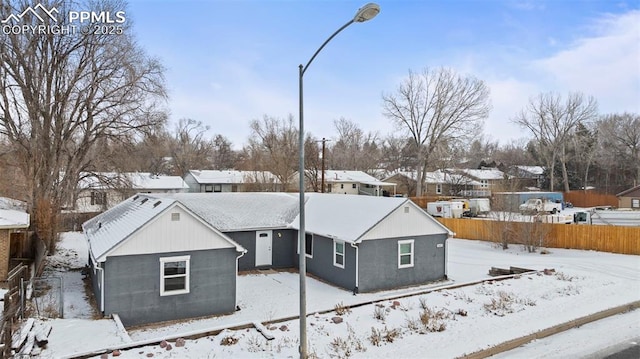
{"x":321,"y":264}
{"x":283,"y":249}
{"x":194,"y":186}
{"x":379,"y":263}
{"x":132,"y":287}
{"x":95,"y":278}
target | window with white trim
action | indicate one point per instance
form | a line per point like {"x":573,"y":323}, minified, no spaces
{"x":405,"y":253}
{"x":174,"y":275}
{"x":338,"y":253}
{"x":439,"y":188}
{"x":635,"y":203}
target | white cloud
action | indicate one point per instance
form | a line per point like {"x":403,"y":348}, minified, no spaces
{"x":606,"y":66}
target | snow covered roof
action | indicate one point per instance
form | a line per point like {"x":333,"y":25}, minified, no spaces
{"x":231,"y":176}
{"x":10,"y":203}
{"x":438,"y":177}
{"x":234,"y":211}
{"x":482,"y":174}
{"x":11,"y":218}
{"x":347,"y":217}
{"x":344,"y":217}
{"x":137,"y":180}
{"x":534,"y":170}
{"x":337,"y":176}
{"x":450,"y":178}
{"x":110,"y":228}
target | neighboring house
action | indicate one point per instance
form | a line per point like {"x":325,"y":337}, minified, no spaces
{"x":360,"y":243}
{"x":100,"y":191}
{"x":529,"y":177}
{"x":356,"y":182}
{"x":629,"y":198}
{"x":215,"y":181}
{"x":155,"y":260}
{"x":435,"y":184}
{"x":490,"y":179}
{"x":14,"y":223}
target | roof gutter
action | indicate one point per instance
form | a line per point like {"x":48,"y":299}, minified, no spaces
{"x":237,"y":265}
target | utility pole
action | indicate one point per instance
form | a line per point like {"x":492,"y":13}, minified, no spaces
{"x":322,"y":166}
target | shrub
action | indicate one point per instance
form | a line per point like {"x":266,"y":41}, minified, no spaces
{"x":229,"y":340}
{"x":341,"y":309}
{"x":379,"y":313}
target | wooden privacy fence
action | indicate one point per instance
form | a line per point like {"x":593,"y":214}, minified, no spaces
{"x":613,"y":239}
{"x":590,"y":199}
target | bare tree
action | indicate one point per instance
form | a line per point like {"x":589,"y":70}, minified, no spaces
{"x":395,"y":154}
{"x":551,"y":121}
{"x":584,"y":144}
{"x":273,"y":145}
{"x":224,"y":157}
{"x":620,"y":134}
{"x":190,"y":149}
{"x":313,"y":163}
{"x":61,"y":93}
{"x":437,"y":106}
{"x":353,"y":149}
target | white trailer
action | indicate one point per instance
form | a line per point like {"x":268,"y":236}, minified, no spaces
{"x":479,"y":207}
{"x":555,"y":218}
{"x":445,"y":209}
{"x":608,"y":217}
{"x":538,"y":205}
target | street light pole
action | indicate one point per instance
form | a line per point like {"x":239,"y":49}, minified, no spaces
{"x":365,"y":13}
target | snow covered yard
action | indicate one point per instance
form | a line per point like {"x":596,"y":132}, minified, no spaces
{"x":472,"y":317}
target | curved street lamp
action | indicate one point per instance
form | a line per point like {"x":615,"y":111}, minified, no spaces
{"x":365,"y":13}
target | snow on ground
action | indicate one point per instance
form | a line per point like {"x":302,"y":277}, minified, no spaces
{"x":473,"y":317}
{"x":585,"y":341}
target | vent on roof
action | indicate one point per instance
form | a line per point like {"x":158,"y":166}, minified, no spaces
{"x":135,"y":197}
{"x":99,"y":225}
{"x":144,"y":200}
{"x":156,"y":204}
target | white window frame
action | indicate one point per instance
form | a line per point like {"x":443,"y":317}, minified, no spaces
{"x":635,"y":202}
{"x":163,"y":260}
{"x":335,"y":253}
{"x":410,"y":254}
{"x":439,"y":188}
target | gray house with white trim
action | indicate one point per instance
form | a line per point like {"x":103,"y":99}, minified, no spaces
{"x":369,"y":243}
{"x":360,"y":243}
{"x":155,"y":260}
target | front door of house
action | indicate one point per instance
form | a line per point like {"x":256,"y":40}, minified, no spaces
{"x":264,"y":247}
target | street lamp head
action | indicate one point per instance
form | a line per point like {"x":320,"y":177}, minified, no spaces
{"x":367,"y":12}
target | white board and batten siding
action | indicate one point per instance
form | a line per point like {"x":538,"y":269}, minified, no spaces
{"x":405,"y":221}
{"x":174,"y":230}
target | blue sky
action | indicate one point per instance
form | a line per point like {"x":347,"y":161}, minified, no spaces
{"x":229,"y":62}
